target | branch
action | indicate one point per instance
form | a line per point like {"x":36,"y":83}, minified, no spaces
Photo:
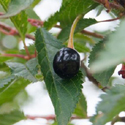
{"x":118,"y":119}
{"x":110,"y":20}
{"x":1,"y":13}
{"x":35,"y":22}
{"x":18,"y":56}
{"x":12,"y":31}
{"x":92,"y":34}
{"x":111,"y":5}
{"x":5,"y":29}
{"x":91,"y":78}
{"x":89,"y":75}
{"x":50,"y":117}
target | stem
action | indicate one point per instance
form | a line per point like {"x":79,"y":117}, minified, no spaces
{"x":50,"y":117}
{"x":110,"y":19}
{"x":18,"y":56}
{"x":15,"y":55}
{"x":112,"y":5}
{"x":1,"y":13}
{"x":26,"y":49}
{"x":12,"y":31}
{"x":70,"y":43}
{"x":92,"y":34}
{"x":118,"y":119}
{"x":35,"y":22}
{"x":91,"y":78}
{"x":30,"y":37}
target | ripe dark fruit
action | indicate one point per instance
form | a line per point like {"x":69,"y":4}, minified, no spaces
{"x":66,"y":63}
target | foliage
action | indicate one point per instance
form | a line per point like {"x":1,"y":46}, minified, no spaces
{"x":112,"y":104}
{"x":104,"y":76}
{"x":64,"y":99}
{"x":102,"y":50}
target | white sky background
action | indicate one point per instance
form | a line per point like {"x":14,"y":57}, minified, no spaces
{"x":40,"y":103}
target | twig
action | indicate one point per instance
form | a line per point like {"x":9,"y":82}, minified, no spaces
{"x":18,"y":56}
{"x":118,"y":119}
{"x":1,"y":13}
{"x":89,"y":75}
{"x":15,"y":55}
{"x":50,"y":117}
{"x":92,"y":34}
{"x":30,"y":37}
{"x":35,"y":22}
{"x":110,"y":20}
{"x":91,"y":78}
{"x":26,"y":49}
{"x":12,"y":31}
{"x":112,"y":5}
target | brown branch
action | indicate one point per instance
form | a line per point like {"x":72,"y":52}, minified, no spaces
{"x":26,"y":49}
{"x":51,"y":117}
{"x":92,"y":34}
{"x":12,"y":31}
{"x":111,"y":5}
{"x":19,"y":56}
{"x":118,"y":119}
{"x":15,"y":55}
{"x":1,"y":13}
{"x":110,"y":20}
{"x":35,"y":22}
{"x":30,"y":37}
{"x":91,"y":78}
{"x":89,"y":75}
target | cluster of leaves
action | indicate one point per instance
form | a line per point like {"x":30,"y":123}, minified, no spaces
{"x":66,"y":95}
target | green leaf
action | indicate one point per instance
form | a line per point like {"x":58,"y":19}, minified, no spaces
{"x":8,"y":92}
{"x":63,"y":93}
{"x":99,"y":9}
{"x":111,"y":105}
{"x":15,"y":7}
{"x":6,"y":81}
{"x":69,"y":11}
{"x":31,"y":49}
{"x":35,"y":3}
{"x":11,"y":118}
{"x":114,"y":50}
{"x":31,"y":13}
{"x":64,"y":1}
{"x":27,"y":71}
{"x":4,"y":68}
{"x":5,"y":4}
{"x":102,"y":77}
{"x":20,"y":20}
{"x":81,"y":48}
{"x":55,"y":123}
{"x":81,"y":108}
{"x":83,"y":23}
{"x":3,"y":59}
{"x":82,"y":38}
{"x":20,"y":24}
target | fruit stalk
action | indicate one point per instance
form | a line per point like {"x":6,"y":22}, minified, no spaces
{"x":70,"y":43}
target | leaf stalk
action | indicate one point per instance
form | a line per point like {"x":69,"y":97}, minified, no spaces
{"x":70,"y":43}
